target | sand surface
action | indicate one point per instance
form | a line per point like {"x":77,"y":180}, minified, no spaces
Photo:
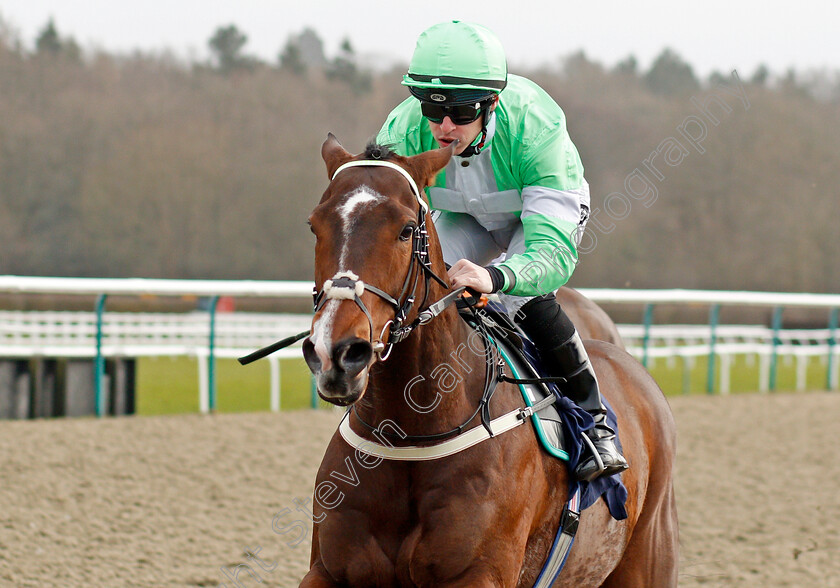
{"x":170,"y":501}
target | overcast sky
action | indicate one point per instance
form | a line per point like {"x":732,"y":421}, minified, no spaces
{"x":710,"y":35}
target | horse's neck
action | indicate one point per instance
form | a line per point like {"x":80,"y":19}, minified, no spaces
{"x":431,"y":383}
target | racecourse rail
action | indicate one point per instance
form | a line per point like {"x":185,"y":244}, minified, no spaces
{"x":209,"y":335}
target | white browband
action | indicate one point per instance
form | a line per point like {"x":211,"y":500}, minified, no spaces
{"x":394,"y":166}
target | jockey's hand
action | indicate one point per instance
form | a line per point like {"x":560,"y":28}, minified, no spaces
{"x":466,"y":273}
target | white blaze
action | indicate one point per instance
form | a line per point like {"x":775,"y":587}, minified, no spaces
{"x":349,"y":210}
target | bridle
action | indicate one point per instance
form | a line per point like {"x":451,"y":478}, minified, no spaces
{"x":348,"y":286}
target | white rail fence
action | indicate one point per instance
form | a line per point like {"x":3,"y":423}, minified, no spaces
{"x":208,"y":335}
{"x":688,"y":343}
{"x":73,"y":335}
{"x":25,"y":334}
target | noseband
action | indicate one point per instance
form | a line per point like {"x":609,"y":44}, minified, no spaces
{"x":347,"y":285}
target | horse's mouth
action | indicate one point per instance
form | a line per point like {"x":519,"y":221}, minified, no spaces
{"x":338,"y":388}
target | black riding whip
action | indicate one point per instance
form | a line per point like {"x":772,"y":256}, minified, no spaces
{"x":260,"y":353}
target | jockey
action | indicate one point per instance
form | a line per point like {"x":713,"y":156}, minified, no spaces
{"x":511,"y":205}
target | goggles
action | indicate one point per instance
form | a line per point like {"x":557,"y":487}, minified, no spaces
{"x":460,"y":114}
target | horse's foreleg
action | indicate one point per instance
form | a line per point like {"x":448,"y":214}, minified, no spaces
{"x":317,"y":578}
{"x":652,"y":557}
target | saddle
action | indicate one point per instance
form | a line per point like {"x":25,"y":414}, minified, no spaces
{"x":559,"y":427}
{"x":513,"y":346}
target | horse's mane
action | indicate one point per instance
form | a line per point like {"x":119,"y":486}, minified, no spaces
{"x":374,"y":150}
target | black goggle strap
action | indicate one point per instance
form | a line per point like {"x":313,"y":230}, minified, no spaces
{"x":476,"y":149}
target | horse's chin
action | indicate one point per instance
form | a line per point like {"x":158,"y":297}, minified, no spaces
{"x":340,"y":389}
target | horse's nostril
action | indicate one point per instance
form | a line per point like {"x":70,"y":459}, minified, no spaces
{"x":310,"y":356}
{"x":359,"y":352}
{"x":353,"y":356}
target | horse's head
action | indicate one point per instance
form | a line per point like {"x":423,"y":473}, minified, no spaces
{"x":370,"y":228}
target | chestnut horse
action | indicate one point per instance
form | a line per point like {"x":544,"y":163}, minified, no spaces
{"x":485,"y":516}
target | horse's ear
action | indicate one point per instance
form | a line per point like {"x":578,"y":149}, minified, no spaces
{"x":334,"y":154}
{"x":425,"y":167}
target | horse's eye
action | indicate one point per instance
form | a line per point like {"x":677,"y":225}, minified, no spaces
{"x":407,"y":232}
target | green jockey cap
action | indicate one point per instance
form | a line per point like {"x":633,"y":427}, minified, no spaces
{"x":460,"y":56}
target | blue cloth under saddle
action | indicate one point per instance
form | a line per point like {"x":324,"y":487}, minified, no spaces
{"x":576,"y":421}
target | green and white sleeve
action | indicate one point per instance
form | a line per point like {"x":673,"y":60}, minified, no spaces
{"x":552,"y":197}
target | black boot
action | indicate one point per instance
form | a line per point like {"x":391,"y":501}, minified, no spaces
{"x":572,"y":362}
{"x":563,"y":353}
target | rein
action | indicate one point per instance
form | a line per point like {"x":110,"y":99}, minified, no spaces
{"x":460,"y":437}
{"x":348,"y":286}
{"x":491,"y":378}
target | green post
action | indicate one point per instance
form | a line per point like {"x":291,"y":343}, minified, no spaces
{"x":830,"y":384}
{"x":714,"y":315}
{"x":211,"y":357}
{"x":646,"y":337}
{"x":774,"y":359}
{"x":99,"y":364}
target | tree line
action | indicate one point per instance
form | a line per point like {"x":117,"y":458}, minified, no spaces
{"x":142,"y":165}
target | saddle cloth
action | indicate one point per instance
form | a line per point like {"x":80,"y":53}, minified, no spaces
{"x":560,"y":426}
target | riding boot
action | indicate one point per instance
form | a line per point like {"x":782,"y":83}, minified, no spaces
{"x":563,"y":354}
{"x":571,"y":361}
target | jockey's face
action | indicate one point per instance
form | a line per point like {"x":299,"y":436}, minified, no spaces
{"x":446,"y":131}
